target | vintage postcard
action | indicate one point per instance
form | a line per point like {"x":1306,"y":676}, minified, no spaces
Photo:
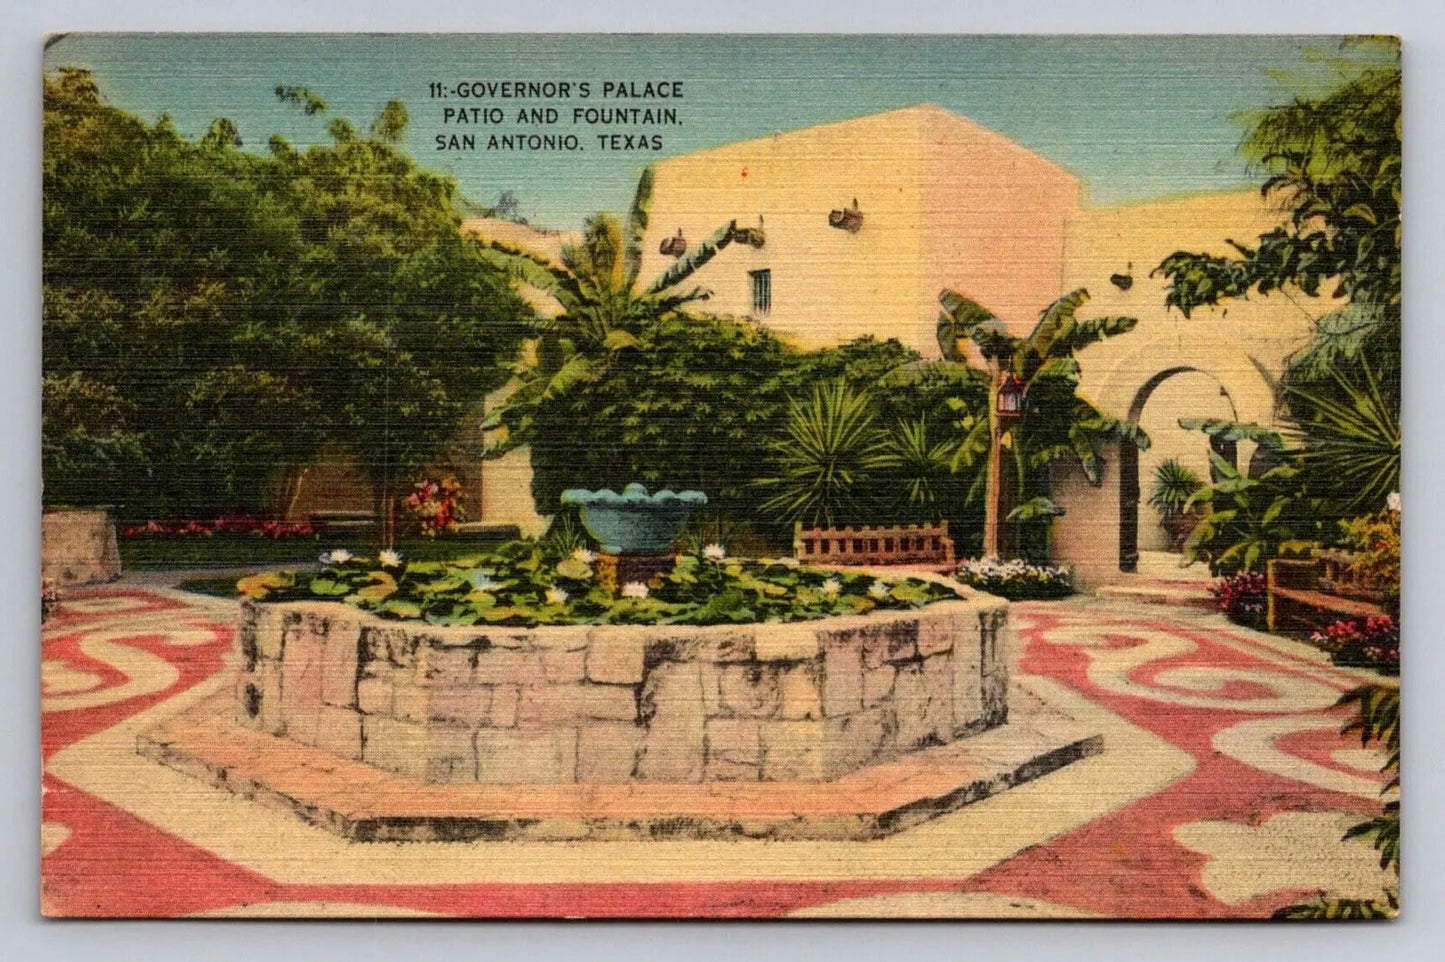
{"x":721,"y":476}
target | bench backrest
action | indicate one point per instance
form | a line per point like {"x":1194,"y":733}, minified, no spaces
{"x":874,"y":544}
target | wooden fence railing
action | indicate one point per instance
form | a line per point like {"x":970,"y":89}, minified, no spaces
{"x":904,"y":544}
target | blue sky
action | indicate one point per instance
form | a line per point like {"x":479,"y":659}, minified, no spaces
{"x":1136,"y":117}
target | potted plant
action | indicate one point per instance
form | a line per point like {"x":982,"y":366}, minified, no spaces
{"x":1174,"y":484}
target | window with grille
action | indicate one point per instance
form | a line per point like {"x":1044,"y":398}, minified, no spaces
{"x":762,"y":291}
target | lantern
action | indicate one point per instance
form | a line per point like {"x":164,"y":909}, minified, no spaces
{"x":1010,"y":402}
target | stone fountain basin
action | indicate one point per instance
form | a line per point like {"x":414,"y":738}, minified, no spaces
{"x":799,"y":702}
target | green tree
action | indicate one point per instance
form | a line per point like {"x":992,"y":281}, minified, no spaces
{"x":1331,"y":158}
{"x":1057,"y":424}
{"x":213,"y":316}
{"x":605,"y":309}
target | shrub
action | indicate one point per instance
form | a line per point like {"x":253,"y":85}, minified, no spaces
{"x":1242,"y":598}
{"x":1375,"y":541}
{"x":1016,"y":579}
{"x":1362,"y":643}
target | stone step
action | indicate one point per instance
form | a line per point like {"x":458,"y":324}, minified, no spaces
{"x":362,"y":803}
{"x":1179,"y":594}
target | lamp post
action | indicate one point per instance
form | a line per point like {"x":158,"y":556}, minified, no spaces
{"x":1005,"y":406}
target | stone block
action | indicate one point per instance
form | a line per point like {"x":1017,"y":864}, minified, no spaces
{"x":446,"y":666}
{"x":505,"y":699}
{"x":269,"y":628}
{"x":923,"y":703}
{"x":966,"y":666}
{"x":374,"y":695}
{"x":607,"y":751}
{"x":431,"y":753}
{"x":709,"y":677}
{"x":938,"y":634}
{"x":555,"y":639}
{"x":338,"y":730}
{"x":671,"y":703}
{"x":734,"y":750}
{"x":301,"y":668}
{"x":874,"y":647}
{"x":749,"y":690}
{"x":878,"y":684}
{"x":339,"y":653}
{"x":856,"y":740}
{"x":563,"y":666}
{"x":614,"y":658}
{"x":549,"y":706}
{"x":900,"y":639}
{"x":800,"y":690}
{"x":410,"y":702}
{"x":995,"y":698}
{"x":509,"y":757}
{"x":793,"y":751}
{"x":843,"y":678}
{"x":797,"y":641}
{"x":501,"y":666}
{"x":466,"y":705}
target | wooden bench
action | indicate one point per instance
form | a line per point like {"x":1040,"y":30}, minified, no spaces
{"x":1296,"y":603}
{"x":919,"y":545}
{"x":343,"y":522}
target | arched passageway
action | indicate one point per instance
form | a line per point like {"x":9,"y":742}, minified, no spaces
{"x":1159,"y":404}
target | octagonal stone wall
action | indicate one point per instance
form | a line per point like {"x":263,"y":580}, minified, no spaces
{"x":805,"y":701}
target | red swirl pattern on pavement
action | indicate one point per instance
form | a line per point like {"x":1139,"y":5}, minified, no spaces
{"x":1196,"y":683}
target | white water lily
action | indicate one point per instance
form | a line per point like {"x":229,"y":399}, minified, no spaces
{"x":1393,"y":501}
{"x":787,"y":562}
{"x":634,"y":589}
{"x":832,"y":587}
{"x":557,"y":596}
{"x":482,"y":580}
{"x":714,"y":552}
{"x":879,"y":590}
{"x":390,"y":558}
{"x":584,"y":556}
{"x":337,"y":556}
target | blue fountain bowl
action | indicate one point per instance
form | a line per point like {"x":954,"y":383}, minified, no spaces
{"x":634,"y":522}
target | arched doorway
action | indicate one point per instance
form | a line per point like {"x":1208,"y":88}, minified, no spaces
{"x":1158,"y":405}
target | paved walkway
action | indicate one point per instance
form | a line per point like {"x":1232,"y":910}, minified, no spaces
{"x":1223,"y":790}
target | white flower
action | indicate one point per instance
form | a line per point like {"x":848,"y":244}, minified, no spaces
{"x":1393,"y":501}
{"x":390,"y":558}
{"x":878,"y":589}
{"x":714,"y":552}
{"x":556,"y":596}
{"x":482,"y":580}
{"x":787,"y":562}
{"x":832,"y":587}
{"x":584,"y":556}
{"x":634,"y":589}
{"x":337,"y":556}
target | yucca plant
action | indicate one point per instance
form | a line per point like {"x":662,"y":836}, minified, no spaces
{"x":1351,"y":436}
{"x":920,"y":468}
{"x":829,"y":448}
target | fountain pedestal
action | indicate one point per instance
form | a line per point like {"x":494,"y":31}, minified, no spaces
{"x":614,"y":571}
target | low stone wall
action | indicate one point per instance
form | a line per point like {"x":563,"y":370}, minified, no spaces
{"x":806,"y":701}
{"x":78,"y":547}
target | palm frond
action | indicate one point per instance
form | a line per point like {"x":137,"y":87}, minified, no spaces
{"x":689,"y":263}
{"x":636,"y":231}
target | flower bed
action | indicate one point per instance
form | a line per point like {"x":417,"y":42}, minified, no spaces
{"x":1016,"y":579}
{"x":237,"y":524}
{"x":516,"y":585}
{"x":1243,"y":598}
{"x":1362,"y":643}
